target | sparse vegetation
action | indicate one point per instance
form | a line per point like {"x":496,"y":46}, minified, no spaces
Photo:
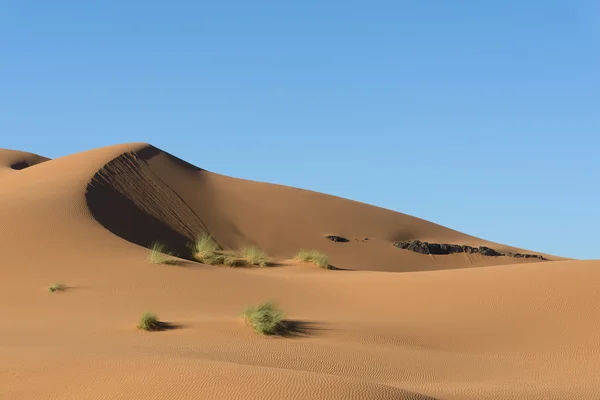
{"x":160,"y":255}
{"x":319,"y":259}
{"x":149,"y":322}
{"x":255,"y":256}
{"x":265,"y":318}
{"x":207,"y":251}
{"x":57,"y":287}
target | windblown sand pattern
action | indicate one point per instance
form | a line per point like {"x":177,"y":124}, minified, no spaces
{"x":386,"y":324}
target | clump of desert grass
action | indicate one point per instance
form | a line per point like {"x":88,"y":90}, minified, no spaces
{"x":265,"y":318}
{"x":255,"y":256}
{"x":149,"y":322}
{"x":57,"y":287}
{"x":207,"y":251}
{"x":312,"y":256}
{"x":159,"y":254}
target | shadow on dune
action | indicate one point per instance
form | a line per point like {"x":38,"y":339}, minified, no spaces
{"x":20,"y":165}
{"x":161,"y":326}
{"x":150,"y":151}
{"x":299,"y":329}
{"x":125,"y":219}
{"x":129,"y":200}
{"x":334,"y":268}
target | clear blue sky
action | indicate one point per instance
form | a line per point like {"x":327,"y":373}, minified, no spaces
{"x":483,"y":116}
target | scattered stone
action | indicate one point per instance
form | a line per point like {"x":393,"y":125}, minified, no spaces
{"x":486,"y":251}
{"x":418,"y":246}
{"x":521,"y":255}
{"x":337,"y":239}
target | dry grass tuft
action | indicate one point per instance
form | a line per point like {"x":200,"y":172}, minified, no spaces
{"x":207,"y":251}
{"x":160,"y":255}
{"x":149,"y":322}
{"x":255,"y":256}
{"x":265,"y":318}
{"x":319,"y":259}
{"x":57,"y":287}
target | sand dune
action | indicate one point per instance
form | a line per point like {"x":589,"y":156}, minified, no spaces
{"x":174,"y":201}
{"x":12,"y":160}
{"x":398,"y":325}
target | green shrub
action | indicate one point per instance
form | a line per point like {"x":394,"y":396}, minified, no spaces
{"x":265,"y":318}
{"x":207,"y":251}
{"x":57,"y":287}
{"x":160,"y":255}
{"x":319,"y":259}
{"x":149,"y":322}
{"x":255,"y":256}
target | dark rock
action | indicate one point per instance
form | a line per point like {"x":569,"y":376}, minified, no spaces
{"x":337,"y":239}
{"x":486,"y":251}
{"x":443,"y":248}
{"x":418,"y":246}
{"x":434,"y":248}
{"x":521,"y":255}
{"x":414,"y":245}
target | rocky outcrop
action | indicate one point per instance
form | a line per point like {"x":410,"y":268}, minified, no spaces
{"x":444,"y":249}
{"x":521,"y":255}
{"x":337,"y":239}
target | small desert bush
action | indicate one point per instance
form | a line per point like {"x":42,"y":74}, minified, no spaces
{"x":255,"y":256}
{"x":149,"y":322}
{"x":57,"y":287}
{"x":265,"y":318}
{"x":207,"y":251}
{"x":160,"y":255}
{"x":319,"y":259}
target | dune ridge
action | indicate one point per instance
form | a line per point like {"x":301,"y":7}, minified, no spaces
{"x":175,"y":202}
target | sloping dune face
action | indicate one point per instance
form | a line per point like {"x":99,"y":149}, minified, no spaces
{"x":150,"y":195}
{"x":503,"y":332}
{"x":130,"y":200}
{"x":18,"y":160}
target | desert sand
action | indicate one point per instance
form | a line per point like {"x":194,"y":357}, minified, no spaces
{"x":387,"y":323}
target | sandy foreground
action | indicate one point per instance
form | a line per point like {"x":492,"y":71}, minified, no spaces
{"x":391,"y":324}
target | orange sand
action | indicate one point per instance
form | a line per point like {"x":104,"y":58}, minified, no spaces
{"x":446,"y":327}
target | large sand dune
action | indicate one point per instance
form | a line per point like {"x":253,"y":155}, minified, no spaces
{"x":394,"y":324}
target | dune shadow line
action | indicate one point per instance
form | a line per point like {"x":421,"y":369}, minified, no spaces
{"x":160,"y":326}
{"x":129,"y":200}
{"x":297,"y":329}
